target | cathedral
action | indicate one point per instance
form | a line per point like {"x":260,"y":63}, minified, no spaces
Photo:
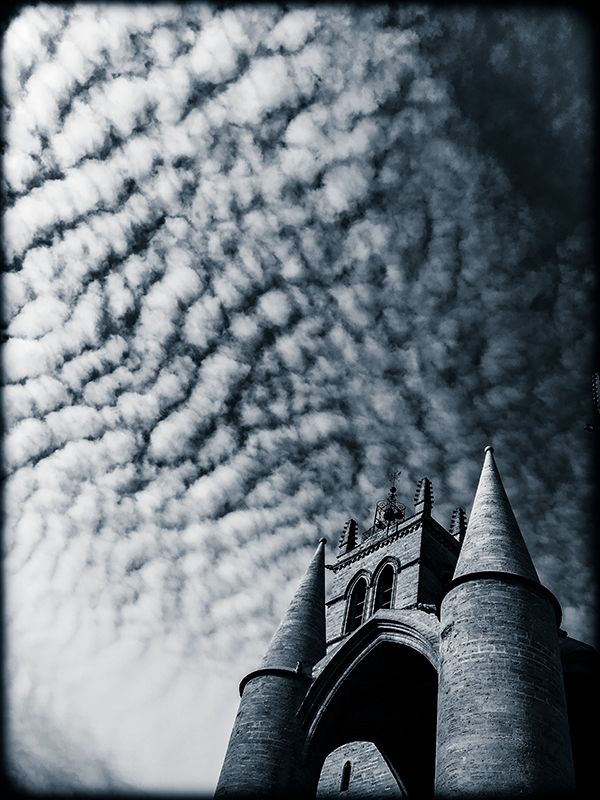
{"x":437,"y":668}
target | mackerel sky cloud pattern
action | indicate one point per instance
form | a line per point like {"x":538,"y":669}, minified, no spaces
{"x":258,"y":258}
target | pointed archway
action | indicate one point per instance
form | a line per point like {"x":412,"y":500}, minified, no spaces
{"x":380,"y":687}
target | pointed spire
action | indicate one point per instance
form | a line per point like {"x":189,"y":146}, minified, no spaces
{"x":300,"y":637}
{"x":424,"y":496}
{"x":493,"y":541}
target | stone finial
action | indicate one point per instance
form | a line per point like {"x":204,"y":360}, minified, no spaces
{"x":349,"y":538}
{"x":458,"y":526}
{"x":424,"y":496}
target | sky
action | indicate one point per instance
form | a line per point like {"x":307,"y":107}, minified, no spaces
{"x":259,"y":257}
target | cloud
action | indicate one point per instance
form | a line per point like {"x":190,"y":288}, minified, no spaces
{"x":258,"y":258}
{"x":275,"y":306}
{"x":214,"y":57}
{"x":343,"y":186}
{"x":266,"y":86}
{"x":292,"y":30}
{"x":27,"y":440}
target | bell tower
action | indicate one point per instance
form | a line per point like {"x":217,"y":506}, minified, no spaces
{"x":400,"y":562}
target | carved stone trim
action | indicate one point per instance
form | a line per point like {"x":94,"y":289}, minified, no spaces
{"x":508,"y":577}
{"x":375,"y":546}
{"x":280,"y":671}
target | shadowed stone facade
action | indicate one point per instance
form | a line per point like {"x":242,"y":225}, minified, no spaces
{"x":355,"y":771}
{"x":437,"y":667}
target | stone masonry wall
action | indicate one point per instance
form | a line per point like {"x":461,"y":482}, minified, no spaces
{"x":420,"y":556}
{"x":265,"y":742}
{"x":502,"y":722}
{"x":438,"y":557}
{"x":370,"y":776}
{"x":406,"y":551}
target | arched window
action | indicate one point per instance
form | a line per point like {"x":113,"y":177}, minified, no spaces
{"x":356,"y":605}
{"x":385,"y":586}
{"x":344,"y":785}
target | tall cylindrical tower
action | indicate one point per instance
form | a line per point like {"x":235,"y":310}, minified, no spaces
{"x":263,"y":756}
{"x":502,"y":720}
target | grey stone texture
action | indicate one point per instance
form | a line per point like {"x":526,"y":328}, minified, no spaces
{"x":502,"y":717}
{"x":421,"y":551}
{"x":366,"y":772}
{"x":262,"y":755}
{"x":300,"y":636}
{"x":462,"y":685}
{"x":263,"y":751}
{"x":502,"y":714}
{"x":493,"y":541}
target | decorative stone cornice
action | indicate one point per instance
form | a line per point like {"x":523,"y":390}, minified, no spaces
{"x":418,"y":521}
{"x":506,"y":577}
{"x":297,"y":673}
{"x":402,"y":567}
{"x":362,"y":553}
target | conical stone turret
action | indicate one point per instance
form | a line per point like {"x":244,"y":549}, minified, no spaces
{"x":300,"y":636}
{"x":502,"y":720}
{"x":493,"y":541}
{"x":262,"y":756}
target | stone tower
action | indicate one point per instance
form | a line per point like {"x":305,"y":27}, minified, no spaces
{"x":262,"y":757}
{"x":502,"y":712}
{"x":441,"y":669}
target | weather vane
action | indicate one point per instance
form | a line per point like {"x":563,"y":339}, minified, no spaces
{"x":392,"y":477}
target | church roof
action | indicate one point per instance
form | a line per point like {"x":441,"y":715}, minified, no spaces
{"x":493,"y":541}
{"x":301,"y":633}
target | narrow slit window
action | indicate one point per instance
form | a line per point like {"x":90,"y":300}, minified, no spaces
{"x":357,"y":606}
{"x":385,"y":587}
{"x":345,"y":784}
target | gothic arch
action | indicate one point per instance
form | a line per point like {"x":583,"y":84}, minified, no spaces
{"x":346,"y":704}
{"x":357,"y":601}
{"x":363,"y":573}
{"x":394,"y":564}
